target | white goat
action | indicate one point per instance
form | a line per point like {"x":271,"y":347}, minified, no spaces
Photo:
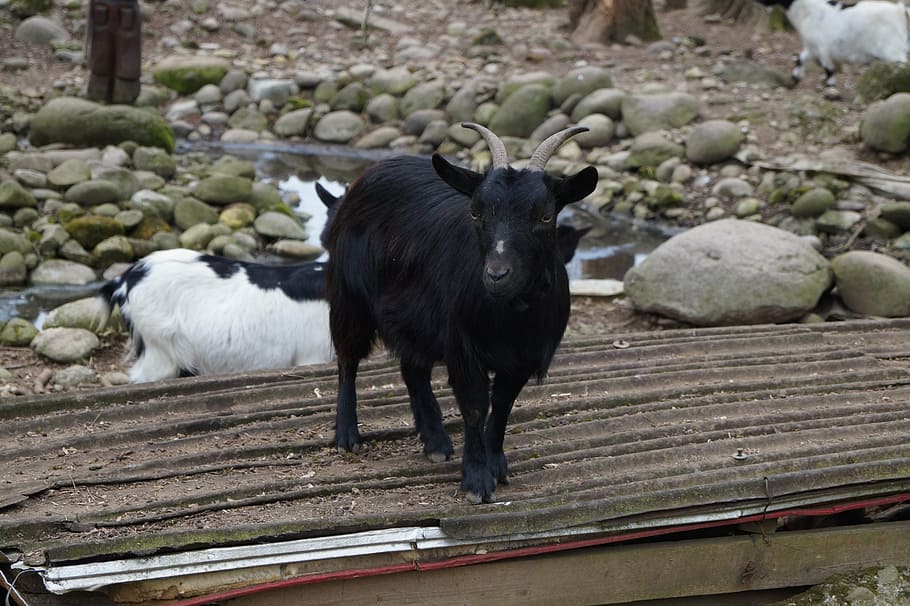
{"x":834,"y":34}
{"x":194,"y":314}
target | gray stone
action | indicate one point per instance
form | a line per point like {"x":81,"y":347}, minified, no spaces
{"x":209,"y":94}
{"x":30,"y":178}
{"x":265,"y":196}
{"x":114,"y":157}
{"x":382,"y":109}
{"x":607,"y":101}
{"x":182,"y":109}
{"x":156,"y":203}
{"x":90,"y":193}
{"x":190,"y":211}
{"x":278,"y":91}
{"x":248,"y":118}
{"x":18,"y":332}
{"x":885,"y":126}
{"x":187,"y":74}
{"x":461,"y":106}
{"x":872,"y":283}
{"x":434,"y":133}
{"x":239,"y":135}
{"x":116,"y":249}
{"x":517,"y":81}
{"x":339,"y":127}
{"x":235,"y":100}
{"x":552,"y":125}
{"x":41,"y":31}
{"x":732,"y":188}
{"x":8,"y":142}
{"x":882,"y":79}
{"x":644,"y":113}
{"x":417,"y":121}
{"x":75,"y":375}
{"x":156,"y":160}
{"x":129,"y":218}
{"x":151,"y":96}
{"x":352,"y":97}
{"x":126,"y":182}
{"x":378,"y":138}
{"x":713,"y":141}
{"x":10,"y":240}
{"x":14,"y":196}
{"x":89,"y":313}
{"x":197,"y":237}
{"x":72,"y":250}
{"x":601,"y":131}
{"x":233,"y":80}
{"x":652,"y":149}
{"x":69,"y":172}
{"x":279,"y":225}
{"x":234,"y":167}
{"x":522,"y":111}
{"x":223,"y":189}
{"x":837,"y":221}
{"x":13,"y":270}
{"x":293,"y":123}
{"x":897,"y":212}
{"x":296,"y":249}
{"x":812,"y":203}
{"x":52,"y":238}
{"x":581,"y":81}
{"x":60,"y":271}
{"x":730,"y":272}
{"x":395,"y":81}
{"x":65,"y":344}
{"x":427,"y":95}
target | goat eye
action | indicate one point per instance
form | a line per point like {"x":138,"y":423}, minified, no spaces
{"x":475,"y":215}
{"x":546,"y":218}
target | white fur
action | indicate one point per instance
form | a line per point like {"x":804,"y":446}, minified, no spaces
{"x":189,"y":318}
{"x":872,"y":30}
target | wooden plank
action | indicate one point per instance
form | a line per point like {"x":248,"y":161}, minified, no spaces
{"x":619,"y":574}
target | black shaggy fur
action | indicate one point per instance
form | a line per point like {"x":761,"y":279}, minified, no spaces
{"x":446,"y":264}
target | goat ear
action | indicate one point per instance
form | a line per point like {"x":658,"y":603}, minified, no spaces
{"x":460,"y":179}
{"x":576,"y":187}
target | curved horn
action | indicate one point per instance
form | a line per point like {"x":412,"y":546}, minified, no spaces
{"x":497,"y":147}
{"x":549,"y":145}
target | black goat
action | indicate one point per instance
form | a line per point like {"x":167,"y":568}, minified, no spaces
{"x":448,"y":264}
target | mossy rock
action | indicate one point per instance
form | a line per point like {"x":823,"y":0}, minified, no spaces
{"x":18,"y":332}
{"x":90,"y":230}
{"x":186,"y":75}
{"x":880,"y":80}
{"x":148,"y":227}
{"x":82,"y":123}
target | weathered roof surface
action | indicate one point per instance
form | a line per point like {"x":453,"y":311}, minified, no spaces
{"x":617,"y":438}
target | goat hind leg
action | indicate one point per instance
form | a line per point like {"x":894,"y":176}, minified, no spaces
{"x":437,"y":445}
{"x":352,"y":334}
{"x":799,"y":65}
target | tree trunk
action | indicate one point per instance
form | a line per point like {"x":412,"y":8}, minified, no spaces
{"x":612,"y":20}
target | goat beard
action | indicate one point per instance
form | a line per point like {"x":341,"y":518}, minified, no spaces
{"x":540,"y":288}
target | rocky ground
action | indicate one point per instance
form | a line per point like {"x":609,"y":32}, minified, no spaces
{"x":460,"y":42}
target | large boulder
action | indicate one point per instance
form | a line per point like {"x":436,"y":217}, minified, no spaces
{"x":60,"y":271}
{"x":41,"y":31}
{"x":730,"y":272}
{"x":65,"y":344}
{"x":13,"y":196}
{"x":872,"y":283}
{"x":89,"y":313}
{"x":886,"y":124}
{"x":643,"y":113}
{"x":82,"y":123}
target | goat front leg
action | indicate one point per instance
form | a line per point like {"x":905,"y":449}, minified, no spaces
{"x":472,"y":391}
{"x":505,"y":389}
{"x":347,"y":436}
{"x":437,"y":446}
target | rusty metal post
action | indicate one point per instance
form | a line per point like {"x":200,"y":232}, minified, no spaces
{"x":115,"y":56}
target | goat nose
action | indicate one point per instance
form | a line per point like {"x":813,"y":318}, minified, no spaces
{"x":497,"y":272}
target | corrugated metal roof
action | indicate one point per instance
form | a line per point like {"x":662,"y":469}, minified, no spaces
{"x":617,"y":438}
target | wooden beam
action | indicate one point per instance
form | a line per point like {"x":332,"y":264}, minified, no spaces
{"x":624,"y":573}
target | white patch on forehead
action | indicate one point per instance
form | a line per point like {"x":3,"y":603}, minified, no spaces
{"x":501,"y":246}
